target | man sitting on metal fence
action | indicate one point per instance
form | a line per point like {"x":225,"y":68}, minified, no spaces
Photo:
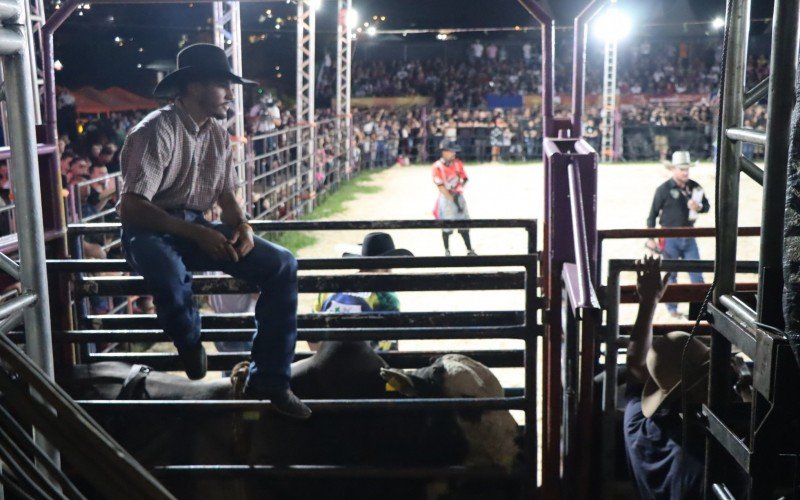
{"x":176,"y":163}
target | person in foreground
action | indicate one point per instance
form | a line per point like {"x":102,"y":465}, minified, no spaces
{"x":176,"y":163}
{"x":662,"y":465}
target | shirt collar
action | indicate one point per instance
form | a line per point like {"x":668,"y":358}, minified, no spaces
{"x":187,"y":119}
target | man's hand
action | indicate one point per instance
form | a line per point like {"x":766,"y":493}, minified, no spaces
{"x":215,"y":244}
{"x":650,"y":285}
{"x":457,"y":201}
{"x":652,"y":246}
{"x":242,"y":239}
{"x":693,"y":205}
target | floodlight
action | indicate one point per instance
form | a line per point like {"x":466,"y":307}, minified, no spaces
{"x":718,"y":23}
{"x":613,"y":24}
{"x":372,"y":31}
{"x":441,"y":36}
{"x":315,"y":4}
{"x":351,"y":18}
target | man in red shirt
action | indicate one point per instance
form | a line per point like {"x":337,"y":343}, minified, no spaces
{"x":450,"y":177}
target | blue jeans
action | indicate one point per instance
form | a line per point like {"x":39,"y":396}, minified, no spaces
{"x":681,"y":248}
{"x":164,"y":261}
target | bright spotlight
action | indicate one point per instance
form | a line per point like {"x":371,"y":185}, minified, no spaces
{"x":441,"y":36}
{"x":718,"y":23}
{"x":372,"y":31}
{"x":351,"y":18}
{"x":315,"y":4}
{"x":613,"y":24}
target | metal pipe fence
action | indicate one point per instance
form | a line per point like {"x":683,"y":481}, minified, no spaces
{"x":282,"y":179}
{"x":438,"y":273}
{"x":613,"y":346}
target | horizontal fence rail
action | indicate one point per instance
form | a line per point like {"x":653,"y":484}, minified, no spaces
{"x":279,"y":226}
{"x":479,"y":273}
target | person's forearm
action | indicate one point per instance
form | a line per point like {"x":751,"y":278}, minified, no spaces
{"x":232,"y":214}
{"x":641,"y":339}
{"x":141,"y":213}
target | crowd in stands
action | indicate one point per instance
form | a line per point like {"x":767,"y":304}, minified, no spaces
{"x":386,"y":136}
{"x":645,"y":66}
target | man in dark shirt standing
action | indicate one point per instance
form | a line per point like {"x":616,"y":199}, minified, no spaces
{"x":677,"y":203}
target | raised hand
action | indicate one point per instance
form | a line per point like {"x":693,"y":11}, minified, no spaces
{"x":650,"y":285}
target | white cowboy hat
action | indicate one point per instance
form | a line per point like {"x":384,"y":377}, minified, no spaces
{"x":681,"y":160}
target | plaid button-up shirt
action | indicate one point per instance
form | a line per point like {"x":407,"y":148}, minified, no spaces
{"x":171,"y":161}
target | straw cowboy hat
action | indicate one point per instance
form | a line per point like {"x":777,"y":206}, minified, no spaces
{"x":379,"y":245}
{"x":195,"y":62}
{"x":681,"y":160}
{"x":664,"y":365}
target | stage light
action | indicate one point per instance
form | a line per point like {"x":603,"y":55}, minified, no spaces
{"x":613,"y":24}
{"x":351,"y":18}
{"x":315,"y":4}
{"x":718,"y":23}
{"x":372,"y":31}
{"x":57,"y":65}
{"x":441,"y":36}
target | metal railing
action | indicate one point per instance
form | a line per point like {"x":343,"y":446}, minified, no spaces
{"x":77,"y":204}
{"x":763,"y":450}
{"x":521,"y":325}
{"x":93,"y":455}
{"x":613,"y":297}
{"x":282,"y":179}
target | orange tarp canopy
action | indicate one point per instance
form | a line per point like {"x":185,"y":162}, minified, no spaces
{"x":89,"y":100}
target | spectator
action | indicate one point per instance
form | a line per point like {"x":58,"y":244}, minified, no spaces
{"x":491,"y":52}
{"x":373,"y":245}
{"x":677,"y":203}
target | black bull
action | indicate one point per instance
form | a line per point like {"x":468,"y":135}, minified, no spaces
{"x":339,"y":370}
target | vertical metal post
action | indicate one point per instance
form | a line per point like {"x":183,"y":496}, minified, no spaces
{"x":731,"y":115}
{"x":530,"y":439}
{"x":608,"y":441}
{"x":25,"y":168}
{"x":228,"y":36}
{"x":306,"y":20}
{"x":783,"y":66}
{"x":343,"y":67}
{"x":34,"y":18}
{"x":579,"y":63}
{"x":548,"y":50}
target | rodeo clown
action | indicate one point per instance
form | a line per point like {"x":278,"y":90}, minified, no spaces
{"x":450,"y":177}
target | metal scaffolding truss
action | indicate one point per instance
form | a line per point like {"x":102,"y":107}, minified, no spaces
{"x":228,"y":35}
{"x":33,"y":20}
{"x":306,"y":21}
{"x":343,"y":59}
{"x":609,"y":99}
{"x":306,"y":27}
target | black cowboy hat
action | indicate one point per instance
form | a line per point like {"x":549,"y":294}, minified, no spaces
{"x":448,"y":145}
{"x":195,"y":62}
{"x":379,"y":245}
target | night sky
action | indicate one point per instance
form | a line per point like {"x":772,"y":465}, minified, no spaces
{"x":106,"y":45}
